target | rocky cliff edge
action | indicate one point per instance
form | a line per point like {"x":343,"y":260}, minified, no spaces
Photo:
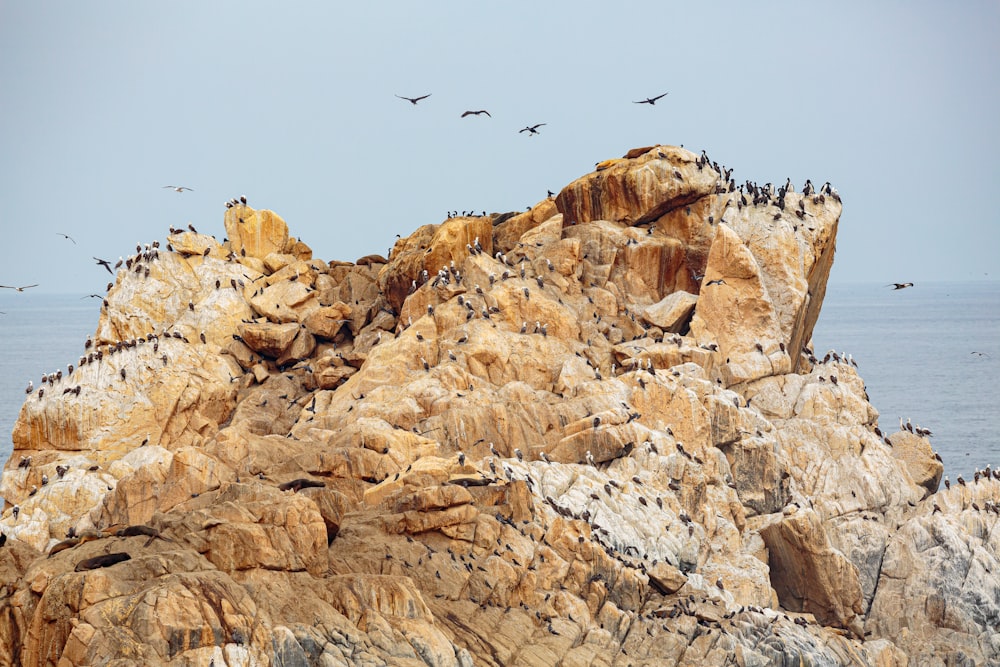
{"x":591,"y":433}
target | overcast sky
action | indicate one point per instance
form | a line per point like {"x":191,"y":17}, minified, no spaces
{"x":292,"y":104}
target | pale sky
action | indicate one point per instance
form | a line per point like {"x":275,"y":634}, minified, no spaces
{"x":292,"y":104}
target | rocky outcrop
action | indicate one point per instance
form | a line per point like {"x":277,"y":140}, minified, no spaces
{"x":588,"y":433}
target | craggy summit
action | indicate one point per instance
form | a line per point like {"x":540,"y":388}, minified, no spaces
{"x":592,"y":433}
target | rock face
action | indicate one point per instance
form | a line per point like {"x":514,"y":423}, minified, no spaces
{"x":589,"y":433}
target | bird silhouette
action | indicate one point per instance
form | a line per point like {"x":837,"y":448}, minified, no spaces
{"x":67,"y":236}
{"x":414,"y":100}
{"x":896,"y":286}
{"x":476,"y":113}
{"x":651,"y":100}
{"x":19,"y":289}
{"x":531,"y":129}
{"x":178,"y":188}
{"x":105,"y":263}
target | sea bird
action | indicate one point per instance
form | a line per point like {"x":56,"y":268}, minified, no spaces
{"x":178,"y":188}
{"x":476,"y":113}
{"x":651,"y":100}
{"x":19,"y":289}
{"x":67,"y":236}
{"x":414,"y":100}
{"x":896,"y":286}
{"x":531,"y":129}
{"x":106,"y":264}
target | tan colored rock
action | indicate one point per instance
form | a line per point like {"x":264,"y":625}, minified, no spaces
{"x":268,"y":338}
{"x":192,"y":243}
{"x":326,"y":321}
{"x":637,"y":190}
{"x":936,"y":580}
{"x":255,"y":233}
{"x":917,"y":455}
{"x":430,"y":248}
{"x":508,"y":233}
{"x":285,"y":302}
{"x":300,"y":348}
{"x":808,"y":574}
{"x":672,"y":312}
{"x":666,"y":578}
{"x":568,"y":475}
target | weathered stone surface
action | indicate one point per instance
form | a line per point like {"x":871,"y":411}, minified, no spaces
{"x":808,"y":575}
{"x":917,"y":455}
{"x":559,"y":445}
{"x":672,"y":312}
{"x":636,"y":190}
{"x":326,"y":321}
{"x":937,"y":596}
{"x":268,"y":338}
{"x":255,"y":233}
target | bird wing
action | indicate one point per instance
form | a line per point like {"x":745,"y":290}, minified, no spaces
{"x":422,"y":97}
{"x":527,"y":129}
{"x":659,"y":96}
{"x":535,"y":127}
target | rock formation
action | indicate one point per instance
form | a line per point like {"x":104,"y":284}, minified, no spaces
{"x":594,"y":432}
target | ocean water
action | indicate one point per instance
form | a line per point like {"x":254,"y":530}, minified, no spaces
{"x":918,"y":350}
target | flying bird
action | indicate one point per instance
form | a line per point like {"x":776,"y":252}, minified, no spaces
{"x":896,"y":286}
{"x":106,"y":264}
{"x":414,"y":100}
{"x":19,"y":289}
{"x":67,"y":236}
{"x":476,"y":113}
{"x":178,"y":188}
{"x":531,"y":129}
{"x":651,"y":100}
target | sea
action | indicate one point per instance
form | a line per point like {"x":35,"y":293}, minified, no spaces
{"x":928,"y":353}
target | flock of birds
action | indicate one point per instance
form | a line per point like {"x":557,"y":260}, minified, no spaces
{"x":530,"y":129}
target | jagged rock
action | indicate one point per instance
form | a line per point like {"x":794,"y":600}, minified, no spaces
{"x":636,"y":190}
{"x":254,"y":233}
{"x":326,"y":321}
{"x":917,"y":455}
{"x":672,"y":312}
{"x":268,"y":338}
{"x":937,"y":594}
{"x":666,"y":578}
{"x":808,"y":575}
{"x":583,"y":436}
{"x":285,"y":302}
